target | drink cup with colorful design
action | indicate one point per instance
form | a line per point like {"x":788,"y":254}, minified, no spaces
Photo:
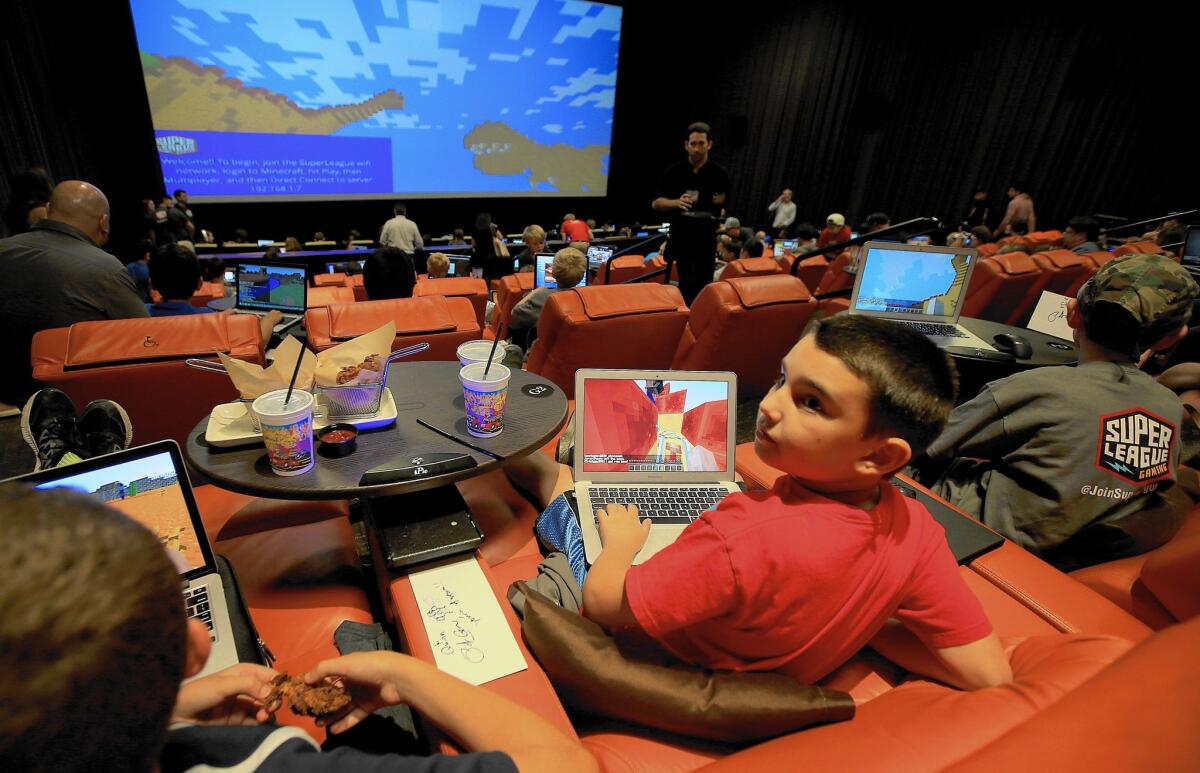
{"x":485,"y":398}
{"x":287,"y":430}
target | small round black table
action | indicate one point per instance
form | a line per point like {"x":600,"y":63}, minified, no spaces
{"x":429,"y":391}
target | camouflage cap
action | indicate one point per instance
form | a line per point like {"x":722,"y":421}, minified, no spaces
{"x":1135,"y":300}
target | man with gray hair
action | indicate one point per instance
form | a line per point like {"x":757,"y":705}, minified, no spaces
{"x":57,"y":275}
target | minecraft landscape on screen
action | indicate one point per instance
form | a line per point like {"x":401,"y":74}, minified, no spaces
{"x":636,"y":425}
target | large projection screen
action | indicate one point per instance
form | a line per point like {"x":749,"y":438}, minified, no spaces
{"x":360,"y":99}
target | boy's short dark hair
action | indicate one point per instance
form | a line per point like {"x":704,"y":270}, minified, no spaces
{"x":753,"y":248}
{"x":1020,"y":227}
{"x":700,"y":127}
{"x":174,"y":272}
{"x":93,"y":632}
{"x":912,"y":383}
{"x":1086,"y":225}
{"x":389,"y":273}
{"x":805,"y":231}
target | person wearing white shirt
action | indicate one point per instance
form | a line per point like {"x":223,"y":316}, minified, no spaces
{"x":785,"y":212}
{"x":400,"y":232}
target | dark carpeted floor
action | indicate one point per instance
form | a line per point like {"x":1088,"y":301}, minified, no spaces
{"x":16,"y":458}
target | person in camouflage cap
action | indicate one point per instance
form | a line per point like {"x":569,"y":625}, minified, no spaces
{"x":1137,"y":302}
{"x":1072,"y":463}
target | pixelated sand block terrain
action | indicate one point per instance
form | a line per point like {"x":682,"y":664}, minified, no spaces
{"x":500,"y":149}
{"x":190,"y":97}
{"x":164,"y":512}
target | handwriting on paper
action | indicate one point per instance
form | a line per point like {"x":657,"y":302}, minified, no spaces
{"x":1050,"y":316}
{"x":467,"y":630}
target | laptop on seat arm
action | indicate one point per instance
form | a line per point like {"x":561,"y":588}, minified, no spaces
{"x":663,"y":440}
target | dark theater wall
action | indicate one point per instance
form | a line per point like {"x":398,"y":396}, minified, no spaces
{"x":857,"y":110}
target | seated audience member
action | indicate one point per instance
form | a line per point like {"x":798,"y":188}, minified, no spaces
{"x":438,"y":265}
{"x":957,"y":239}
{"x":140,"y":269}
{"x":1081,"y":234}
{"x":318,"y":236}
{"x":351,"y":238}
{"x":1018,"y":228}
{"x":291,"y":244}
{"x":28,"y":200}
{"x":55,"y":275}
{"x":834,"y":232}
{"x":170,"y":223}
{"x":458,"y":237}
{"x":240,"y":236}
{"x":806,"y":234}
{"x":109,"y":655}
{"x":568,"y":268}
{"x":980,"y":234}
{"x":1168,"y":236}
{"x":534,"y":237}
{"x":1061,"y":460}
{"x":876,"y":221}
{"x":734,"y":229}
{"x":856,"y":398}
{"x":175,"y":273}
{"x":389,"y":273}
{"x":752,"y":248}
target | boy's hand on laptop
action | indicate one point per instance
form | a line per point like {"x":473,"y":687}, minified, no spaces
{"x":621,"y":530}
{"x":231,"y":697}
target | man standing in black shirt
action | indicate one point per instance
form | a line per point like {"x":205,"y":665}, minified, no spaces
{"x":694,"y":194}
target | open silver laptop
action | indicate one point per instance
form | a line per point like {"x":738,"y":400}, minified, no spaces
{"x":663,"y":440}
{"x":150,"y":485}
{"x":919,"y":286}
{"x":263,"y":287}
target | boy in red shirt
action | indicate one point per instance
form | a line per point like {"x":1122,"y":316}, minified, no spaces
{"x":798,"y":578}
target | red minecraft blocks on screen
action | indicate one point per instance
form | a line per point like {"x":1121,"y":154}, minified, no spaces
{"x":705,"y":425}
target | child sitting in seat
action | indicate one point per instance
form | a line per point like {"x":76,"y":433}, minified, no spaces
{"x":798,"y":578}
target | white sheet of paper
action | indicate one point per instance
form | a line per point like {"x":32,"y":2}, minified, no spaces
{"x":1050,"y":316}
{"x":464,"y":622}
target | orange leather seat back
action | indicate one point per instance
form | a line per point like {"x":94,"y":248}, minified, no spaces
{"x":139,"y":363}
{"x":1063,"y":271}
{"x":1022,"y":241}
{"x":607,"y":326}
{"x":1099,"y":258}
{"x":512,"y":289}
{"x":622,"y":270}
{"x":1000,"y":287}
{"x":835,"y":276}
{"x":658,"y":262}
{"x":360,"y":290}
{"x":319,"y":297}
{"x":1043,"y":238}
{"x":469,"y":287}
{"x":444,"y":322}
{"x":991,"y":248}
{"x":750,"y":267}
{"x":336,"y":279}
{"x":208,"y":292}
{"x":811,"y":270}
{"x":770,"y":311}
{"x":1137,"y":248}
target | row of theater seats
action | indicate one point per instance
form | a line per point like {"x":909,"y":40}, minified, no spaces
{"x":1095,"y":686}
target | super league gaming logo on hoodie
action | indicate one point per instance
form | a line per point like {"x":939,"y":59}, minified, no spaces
{"x":1135,"y":446}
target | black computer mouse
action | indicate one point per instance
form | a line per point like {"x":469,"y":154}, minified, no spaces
{"x":1019,"y":347}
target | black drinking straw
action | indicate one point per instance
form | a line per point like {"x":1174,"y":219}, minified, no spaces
{"x":295,"y":373}
{"x":492,"y":354}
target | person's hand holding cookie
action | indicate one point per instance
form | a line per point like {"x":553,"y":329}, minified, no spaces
{"x":236,"y":696}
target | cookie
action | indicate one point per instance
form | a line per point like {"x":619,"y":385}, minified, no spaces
{"x":317,"y":700}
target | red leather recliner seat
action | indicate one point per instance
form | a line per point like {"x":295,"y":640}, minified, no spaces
{"x":1138,"y":248}
{"x":745,"y":325}
{"x":810,"y":271}
{"x":658,"y":263}
{"x":607,"y":326}
{"x":1000,"y":287}
{"x":622,"y":269}
{"x":319,"y":297}
{"x":750,"y":267}
{"x":356,"y":284}
{"x":445,"y":323}
{"x":835,"y":276}
{"x":1038,"y":239}
{"x":1063,"y":272}
{"x":139,"y":363}
{"x":512,"y":289}
{"x":336,"y":279}
{"x":473,"y":289}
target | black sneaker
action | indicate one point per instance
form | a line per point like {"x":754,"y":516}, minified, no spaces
{"x":48,"y":426}
{"x":104,"y":428}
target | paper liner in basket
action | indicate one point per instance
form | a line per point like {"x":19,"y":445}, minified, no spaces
{"x":357,"y":361}
{"x":252,"y":380}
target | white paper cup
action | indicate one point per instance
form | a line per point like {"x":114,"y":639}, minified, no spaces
{"x":485,"y":398}
{"x":477,"y":351}
{"x":287,"y":431}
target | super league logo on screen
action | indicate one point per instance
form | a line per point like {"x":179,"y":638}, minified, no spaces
{"x":1135,"y":446}
{"x":176,"y":145}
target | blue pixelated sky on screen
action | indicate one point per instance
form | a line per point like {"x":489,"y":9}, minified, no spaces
{"x":547,"y":68}
{"x":906,"y":275}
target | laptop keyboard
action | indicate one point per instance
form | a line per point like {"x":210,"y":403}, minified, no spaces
{"x":196,"y":600}
{"x":935,"y":329}
{"x":665,"y":505}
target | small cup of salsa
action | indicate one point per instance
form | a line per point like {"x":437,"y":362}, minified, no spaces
{"x":338,"y":439}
